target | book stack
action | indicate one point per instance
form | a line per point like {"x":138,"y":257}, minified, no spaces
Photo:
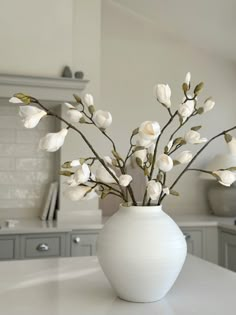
{"x":49,"y":208}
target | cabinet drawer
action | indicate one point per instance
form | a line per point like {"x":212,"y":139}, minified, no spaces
{"x":83,"y":244}
{"x":44,"y":246}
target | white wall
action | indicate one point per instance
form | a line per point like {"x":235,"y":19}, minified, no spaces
{"x":135,"y":56}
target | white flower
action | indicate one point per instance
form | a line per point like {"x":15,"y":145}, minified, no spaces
{"x":144,"y":143}
{"x":226,"y":178}
{"x":232,"y":146}
{"x":53,"y":141}
{"x":154,"y":189}
{"x":75,"y":163}
{"x":141,"y":154}
{"x":151,"y":148}
{"x":166,"y":190}
{"x":208,"y":105}
{"x":124,"y":180}
{"x":78,"y":193}
{"x":88,"y":99}
{"x":186,"y":109}
{"x":82,"y":174}
{"x":194,"y":137}
{"x":15,"y":100}
{"x":73,"y":114}
{"x":149,"y":130}
{"x":102,"y":119}
{"x":184,"y":157}
{"x":164,"y":162}
{"x":103,"y":176}
{"x":107,"y":160}
{"x":163,"y":94}
{"x":31,"y":115}
{"x":188,"y":79}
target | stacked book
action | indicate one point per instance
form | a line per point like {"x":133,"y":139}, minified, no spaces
{"x":49,"y":209}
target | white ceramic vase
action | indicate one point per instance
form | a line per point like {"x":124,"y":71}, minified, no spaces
{"x":141,"y":251}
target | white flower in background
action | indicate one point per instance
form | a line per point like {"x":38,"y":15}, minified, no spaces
{"x":73,"y":114}
{"x":15,"y":100}
{"x":166,"y":191}
{"x":163,"y":93}
{"x":194,"y":137}
{"x":186,"y":109}
{"x":226,"y":178}
{"x":31,"y":115}
{"x":154,"y":189}
{"x":88,"y":99}
{"x":188,"y":79}
{"x":184,"y":157}
{"x":149,"y":130}
{"x":107,"y":160}
{"x":79,"y":193}
{"x":141,"y":154}
{"x":102,"y":119}
{"x":75,"y":163}
{"x":232,"y":146}
{"x":164,"y":162}
{"x":53,"y":141}
{"x":124,"y":180}
{"x":208,"y":105}
{"x":82,"y":174}
{"x":103,"y":176}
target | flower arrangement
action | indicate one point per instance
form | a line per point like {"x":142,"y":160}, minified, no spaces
{"x":102,"y":176}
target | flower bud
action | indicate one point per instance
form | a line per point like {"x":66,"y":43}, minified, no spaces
{"x":149,"y":130}
{"x":186,"y":109}
{"x":163,"y":93}
{"x":194,"y":137}
{"x":102,"y":119}
{"x":184,"y":157}
{"x":208,"y":105}
{"x":188,"y":79}
{"x":104,"y":176}
{"x":226,"y":177}
{"x":164,"y":162}
{"x":88,"y":99}
{"x":31,"y":115}
{"x":154,"y":189}
{"x":82,"y":174}
{"x":53,"y":141}
{"x":125,"y":180}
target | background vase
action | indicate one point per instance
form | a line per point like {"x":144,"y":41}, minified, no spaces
{"x":141,"y":251}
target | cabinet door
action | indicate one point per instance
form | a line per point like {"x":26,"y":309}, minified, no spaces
{"x":9,"y":247}
{"x":194,"y":239}
{"x":228,"y":250}
{"x":83,"y":244}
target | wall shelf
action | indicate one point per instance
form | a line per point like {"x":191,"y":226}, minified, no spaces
{"x":43,"y":88}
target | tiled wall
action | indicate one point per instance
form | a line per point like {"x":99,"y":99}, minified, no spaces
{"x":25,"y":172}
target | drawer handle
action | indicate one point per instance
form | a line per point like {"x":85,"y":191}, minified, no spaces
{"x":76,"y":240}
{"x":42,"y":247}
{"x":187,"y":236}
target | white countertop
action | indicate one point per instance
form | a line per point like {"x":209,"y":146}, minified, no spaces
{"x":77,"y":286}
{"x":37,"y":226}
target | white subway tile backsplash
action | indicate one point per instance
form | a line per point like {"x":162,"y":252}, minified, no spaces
{"x":25,"y":171}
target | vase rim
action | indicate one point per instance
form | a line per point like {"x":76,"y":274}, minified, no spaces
{"x":139,"y":207}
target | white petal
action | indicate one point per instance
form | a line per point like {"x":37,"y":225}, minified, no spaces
{"x":15,"y":100}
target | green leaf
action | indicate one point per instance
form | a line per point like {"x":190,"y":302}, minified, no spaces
{"x":175,"y":162}
{"x":160,"y":177}
{"x":139,"y":162}
{"x":138,"y":148}
{"x":82,"y":120}
{"x":146,"y":171}
{"x":200,"y":110}
{"x":166,"y":149}
{"x":185,"y":87}
{"x":178,"y":141}
{"x":116,"y":155}
{"x":77,"y":98}
{"x":198,"y":88}
{"x":150,"y":158}
{"x":26,"y":99}
{"x":196,"y":128}
{"x":232,"y":169}
{"x":91,"y":109}
{"x":81,"y":160}
{"x":135,"y":132}
{"x":227,"y":137}
{"x":66,"y":173}
{"x":174,"y":193}
{"x":66,"y":164}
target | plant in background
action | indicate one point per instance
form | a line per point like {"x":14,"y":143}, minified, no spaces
{"x":107,"y":175}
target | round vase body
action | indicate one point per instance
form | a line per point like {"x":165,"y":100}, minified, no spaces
{"x":141,"y":251}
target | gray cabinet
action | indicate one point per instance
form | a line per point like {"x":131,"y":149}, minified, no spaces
{"x":83,"y":244}
{"x":194,"y":239}
{"x":228,"y":250}
{"x":9,"y":247}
